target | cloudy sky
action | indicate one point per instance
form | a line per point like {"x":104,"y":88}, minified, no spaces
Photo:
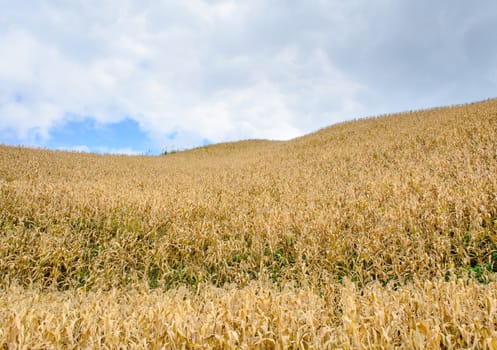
{"x":138,"y":76}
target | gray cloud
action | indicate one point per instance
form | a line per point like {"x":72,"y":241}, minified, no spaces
{"x":426,"y":52}
{"x":226,"y":70}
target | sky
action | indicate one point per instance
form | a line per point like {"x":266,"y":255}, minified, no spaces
{"x":143,"y":76}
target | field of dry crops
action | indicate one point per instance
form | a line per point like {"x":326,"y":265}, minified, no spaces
{"x":375,"y":233}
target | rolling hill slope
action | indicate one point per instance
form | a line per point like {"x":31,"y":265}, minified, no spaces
{"x":379,"y":232}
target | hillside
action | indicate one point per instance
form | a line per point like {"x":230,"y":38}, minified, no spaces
{"x":379,"y":232}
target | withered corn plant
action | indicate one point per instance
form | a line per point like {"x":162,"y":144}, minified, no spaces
{"x":377,"y":233}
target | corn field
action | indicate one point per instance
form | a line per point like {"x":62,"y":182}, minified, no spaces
{"x":375,"y":233}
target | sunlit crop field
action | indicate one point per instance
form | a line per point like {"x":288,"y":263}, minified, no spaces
{"x":375,"y":233}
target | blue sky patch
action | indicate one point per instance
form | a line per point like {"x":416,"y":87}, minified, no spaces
{"x":172,"y":135}
{"x":122,"y":137}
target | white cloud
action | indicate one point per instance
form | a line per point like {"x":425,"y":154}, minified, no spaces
{"x":77,"y":148}
{"x":119,"y":151}
{"x":215,"y":69}
{"x":103,"y":150}
{"x":159,"y":64}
